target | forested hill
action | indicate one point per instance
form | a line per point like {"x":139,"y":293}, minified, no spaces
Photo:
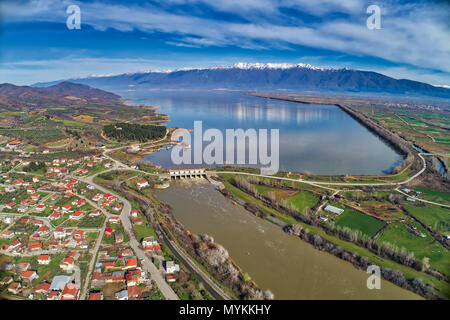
{"x":134,"y":132}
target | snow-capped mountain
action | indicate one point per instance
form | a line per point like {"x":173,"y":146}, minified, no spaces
{"x":262,"y":76}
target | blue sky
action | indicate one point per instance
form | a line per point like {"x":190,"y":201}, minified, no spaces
{"x":129,"y":36}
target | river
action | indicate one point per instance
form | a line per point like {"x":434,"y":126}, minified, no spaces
{"x":288,"y":266}
{"x":320,"y":139}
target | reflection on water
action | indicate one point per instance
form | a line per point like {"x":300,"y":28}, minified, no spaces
{"x":320,"y":139}
{"x":288,"y":266}
{"x":282,"y":114}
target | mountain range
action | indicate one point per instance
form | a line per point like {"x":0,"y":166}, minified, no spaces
{"x":64,"y":93}
{"x":258,"y":76}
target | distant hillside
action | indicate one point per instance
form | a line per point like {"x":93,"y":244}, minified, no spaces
{"x":243,"y":76}
{"x":62,"y":94}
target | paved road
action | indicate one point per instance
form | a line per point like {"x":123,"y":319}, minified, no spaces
{"x":95,"y":249}
{"x":147,"y":265}
{"x":322,"y":183}
{"x":211,"y":286}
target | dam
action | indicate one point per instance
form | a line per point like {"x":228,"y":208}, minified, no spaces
{"x":190,"y":173}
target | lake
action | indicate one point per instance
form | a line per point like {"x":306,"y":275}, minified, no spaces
{"x":319,"y":139}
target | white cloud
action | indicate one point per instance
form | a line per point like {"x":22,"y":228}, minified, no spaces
{"x":413,"y":34}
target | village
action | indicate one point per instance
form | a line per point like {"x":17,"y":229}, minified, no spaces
{"x":61,"y":238}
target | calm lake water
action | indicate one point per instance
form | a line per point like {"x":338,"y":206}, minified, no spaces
{"x":288,"y":266}
{"x":320,"y":139}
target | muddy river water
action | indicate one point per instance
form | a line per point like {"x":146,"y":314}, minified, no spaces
{"x":288,"y":266}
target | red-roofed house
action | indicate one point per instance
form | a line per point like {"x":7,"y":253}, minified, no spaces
{"x":43,"y":259}
{"x":7,"y":234}
{"x":35,"y":196}
{"x":77,"y":215}
{"x":134,"y":213}
{"x":81,"y":202}
{"x":114,"y":220}
{"x":97,"y":197}
{"x":55,"y":215}
{"x":29,"y":275}
{"x":70,"y":292}
{"x":33,"y":246}
{"x":95,"y":213}
{"x":59,"y":233}
{"x":108,"y":196}
{"x":130,"y":263}
{"x":10,"y":205}
{"x":79,"y":234}
{"x":40,"y":207}
{"x":25,"y":220}
{"x":15,"y":288}
{"x":38,"y":223}
{"x":134,"y":292}
{"x":67,"y":264}
{"x":43,"y":288}
{"x":54,"y":295}
{"x":13,"y":144}
{"x":95,"y":296}
{"x":44,"y":230}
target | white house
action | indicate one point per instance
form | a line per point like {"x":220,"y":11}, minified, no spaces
{"x":114,"y":220}
{"x":142,"y":184}
{"x":122,"y":295}
{"x":172,"y":267}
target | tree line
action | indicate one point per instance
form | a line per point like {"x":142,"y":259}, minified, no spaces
{"x":391,"y":251}
{"x":134,"y":132}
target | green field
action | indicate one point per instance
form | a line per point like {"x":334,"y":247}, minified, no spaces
{"x":92,"y":222}
{"x":41,"y":135}
{"x":441,"y":286}
{"x":303,"y":200}
{"x":355,"y":220}
{"x":144,"y":231}
{"x":435,"y":217}
{"x":264,"y":190}
{"x":435,"y":196}
{"x":435,"y":193}
{"x":398,"y":235}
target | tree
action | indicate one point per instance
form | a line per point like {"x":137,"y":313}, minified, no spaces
{"x":425,"y":263}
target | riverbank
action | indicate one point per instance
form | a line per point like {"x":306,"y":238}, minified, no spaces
{"x":289,"y":267}
{"x":352,"y":249}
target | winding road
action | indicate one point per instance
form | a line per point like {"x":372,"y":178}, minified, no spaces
{"x":147,"y":265}
{"x":322,"y":183}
